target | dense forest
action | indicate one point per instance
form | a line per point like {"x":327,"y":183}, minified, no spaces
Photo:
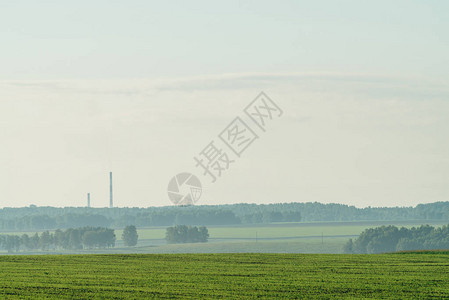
{"x":74,"y":239}
{"x":390,"y":239}
{"x":50,"y":218}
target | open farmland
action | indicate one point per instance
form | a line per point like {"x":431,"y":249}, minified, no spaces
{"x":317,"y":237}
{"x":392,"y":276}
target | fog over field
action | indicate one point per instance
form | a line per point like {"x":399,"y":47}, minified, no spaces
{"x":354,"y":139}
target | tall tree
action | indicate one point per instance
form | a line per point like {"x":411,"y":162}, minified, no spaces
{"x":130,"y":235}
{"x":45,"y":240}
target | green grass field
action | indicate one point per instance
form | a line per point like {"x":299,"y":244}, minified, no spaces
{"x":393,"y":276}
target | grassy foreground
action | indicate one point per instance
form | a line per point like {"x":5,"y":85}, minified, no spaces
{"x":225,"y":275}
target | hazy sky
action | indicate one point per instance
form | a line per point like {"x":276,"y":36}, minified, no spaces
{"x":141,"y":87}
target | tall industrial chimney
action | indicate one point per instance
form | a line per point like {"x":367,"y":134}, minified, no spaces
{"x":88,"y":199}
{"x":111,"y":204}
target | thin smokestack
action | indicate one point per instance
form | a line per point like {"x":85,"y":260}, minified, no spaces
{"x":111,"y":203}
{"x":88,"y":199}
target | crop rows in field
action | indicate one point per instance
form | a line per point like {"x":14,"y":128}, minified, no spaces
{"x":225,"y":275}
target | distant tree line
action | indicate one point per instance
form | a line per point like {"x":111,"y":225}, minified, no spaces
{"x":186,"y":234}
{"x":391,"y":238}
{"x":46,"y":222}
{"x":145,"y":218}
{"x":73,"y":239}
{"x":51,"y":218}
